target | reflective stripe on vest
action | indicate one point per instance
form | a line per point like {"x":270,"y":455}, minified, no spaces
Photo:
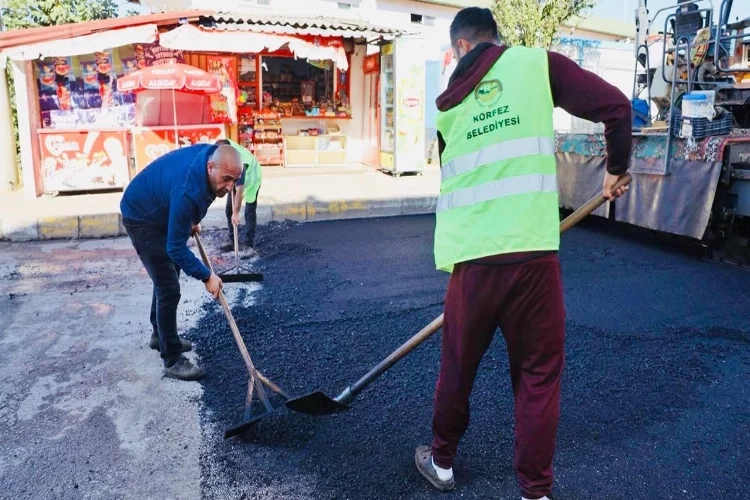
{"x":507,"y":150}
{"x":522,"y":184}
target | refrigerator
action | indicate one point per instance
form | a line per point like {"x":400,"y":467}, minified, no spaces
{"x":402,"y":113}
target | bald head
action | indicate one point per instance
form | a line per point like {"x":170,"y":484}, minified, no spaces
{"x":224,"y":169}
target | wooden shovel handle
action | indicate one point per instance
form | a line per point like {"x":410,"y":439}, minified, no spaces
{"x":437,"y":323}
{"x":587,"y":208}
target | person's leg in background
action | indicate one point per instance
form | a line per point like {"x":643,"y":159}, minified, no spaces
{"x":150,"y":245}
{"x":229,"y":245}
{"x":533,"y":323}
{"x":251,"y":222}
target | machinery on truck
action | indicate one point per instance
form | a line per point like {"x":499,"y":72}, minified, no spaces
{"x":691,"y":131}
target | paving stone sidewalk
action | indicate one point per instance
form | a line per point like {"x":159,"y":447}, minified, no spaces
{"x":296,"y":194}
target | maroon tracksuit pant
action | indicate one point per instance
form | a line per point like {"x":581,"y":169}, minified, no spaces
{"x":525,"y":300}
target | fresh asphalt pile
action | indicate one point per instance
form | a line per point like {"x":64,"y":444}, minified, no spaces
{"x":655,"y":395}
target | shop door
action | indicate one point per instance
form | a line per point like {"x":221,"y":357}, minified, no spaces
{"x":371,"y":153}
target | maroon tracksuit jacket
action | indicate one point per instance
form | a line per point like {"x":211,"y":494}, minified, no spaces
{"x":520,"y":293}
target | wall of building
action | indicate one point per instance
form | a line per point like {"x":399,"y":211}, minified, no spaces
{"x":433,"y":21}
{"x":613,"y":62}
{"x":594,"y":50}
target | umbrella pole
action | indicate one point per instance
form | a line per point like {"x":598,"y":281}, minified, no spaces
{"x":174,"y":117}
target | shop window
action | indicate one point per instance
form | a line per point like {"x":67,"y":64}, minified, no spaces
{"x":423,"y":20}
{"x":298,"y":87}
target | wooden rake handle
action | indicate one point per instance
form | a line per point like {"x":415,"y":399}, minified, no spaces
{"x":236,"y":333}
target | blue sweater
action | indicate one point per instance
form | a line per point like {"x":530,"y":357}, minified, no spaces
{"x":173,"y":193}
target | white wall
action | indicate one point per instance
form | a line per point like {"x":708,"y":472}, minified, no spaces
{"x":296,"y":7}
{"x":355,"y":127}
{"x":398,"y":13}
{"x":614,"y":62}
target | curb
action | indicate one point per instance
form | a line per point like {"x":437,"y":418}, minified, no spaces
{"x":107,"y":225}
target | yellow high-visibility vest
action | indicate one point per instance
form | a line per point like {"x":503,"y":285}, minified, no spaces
{"x":498,"y":188}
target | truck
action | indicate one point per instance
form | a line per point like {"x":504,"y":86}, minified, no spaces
{"x":691,"y":132}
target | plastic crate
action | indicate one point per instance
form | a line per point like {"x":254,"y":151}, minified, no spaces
{"x":703,"y":127}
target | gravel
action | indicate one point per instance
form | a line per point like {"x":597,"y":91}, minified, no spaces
{"x":655,"y":393}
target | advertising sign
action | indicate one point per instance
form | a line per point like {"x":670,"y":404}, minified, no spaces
{"x":224,"y":105}
{"x":83,"y":161}
{"x":153,"y":142}
{"x":152,"y":54}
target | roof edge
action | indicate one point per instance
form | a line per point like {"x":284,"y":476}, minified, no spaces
{"x":18,"y":37}
{"x":602,"y":25}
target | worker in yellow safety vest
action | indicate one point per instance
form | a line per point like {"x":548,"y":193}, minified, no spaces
{"x":498,"y":233}
{"x":246,"y":189}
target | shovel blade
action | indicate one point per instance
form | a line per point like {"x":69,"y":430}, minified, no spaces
{"x":241,"y":278}
{"x":316,"y":403}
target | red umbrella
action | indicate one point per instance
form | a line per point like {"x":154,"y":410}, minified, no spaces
{"x":172,"y":76}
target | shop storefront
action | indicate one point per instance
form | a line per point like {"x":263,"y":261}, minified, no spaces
{"x":288,"y":98}
{"x":295,"y":97}
{"x":107,"y":115}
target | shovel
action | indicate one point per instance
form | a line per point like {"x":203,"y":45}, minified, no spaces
{"x":257,"y":379}
{"x":237,"y":276}
{"x":318,"y":403}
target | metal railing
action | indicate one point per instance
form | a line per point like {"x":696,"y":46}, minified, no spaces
{"x":677,"y":47}
{"x":649,"y":78}
{"x":670,"y":140}
{"x":724,"y":21}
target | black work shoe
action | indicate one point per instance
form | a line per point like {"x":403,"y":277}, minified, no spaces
{"x":423,"y":459}
{"x":247,"y":253}
{"x":227,"y":247}
{"x":183,"y":369}
{"x":154,"y":343}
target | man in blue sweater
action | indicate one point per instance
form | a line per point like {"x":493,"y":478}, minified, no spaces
{"x":161,"y":208}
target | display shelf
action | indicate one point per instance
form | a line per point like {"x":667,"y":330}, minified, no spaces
{"x":319,"y":117}
{"x":268,"y":140}
{"x":315,"y":150}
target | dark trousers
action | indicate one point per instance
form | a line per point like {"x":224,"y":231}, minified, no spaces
{"x":251,"y":221}
{"x":150,"y":244}
{"x":525,"y":301}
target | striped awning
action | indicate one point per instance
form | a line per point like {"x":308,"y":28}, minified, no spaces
{"x":315,"y":25}
{"x":192,"y":38}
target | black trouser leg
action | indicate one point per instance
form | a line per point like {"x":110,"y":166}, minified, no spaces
{"x":228,"y":213}
{"x":251,"y":220}
{"x":154,"y":324}
{"x":150,"y":245}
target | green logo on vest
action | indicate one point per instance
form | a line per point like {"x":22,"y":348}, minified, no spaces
{"x":488,"y":93}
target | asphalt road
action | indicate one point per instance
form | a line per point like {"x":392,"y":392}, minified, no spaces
{"x":655,"y":394}
{"x":84,"y":412}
